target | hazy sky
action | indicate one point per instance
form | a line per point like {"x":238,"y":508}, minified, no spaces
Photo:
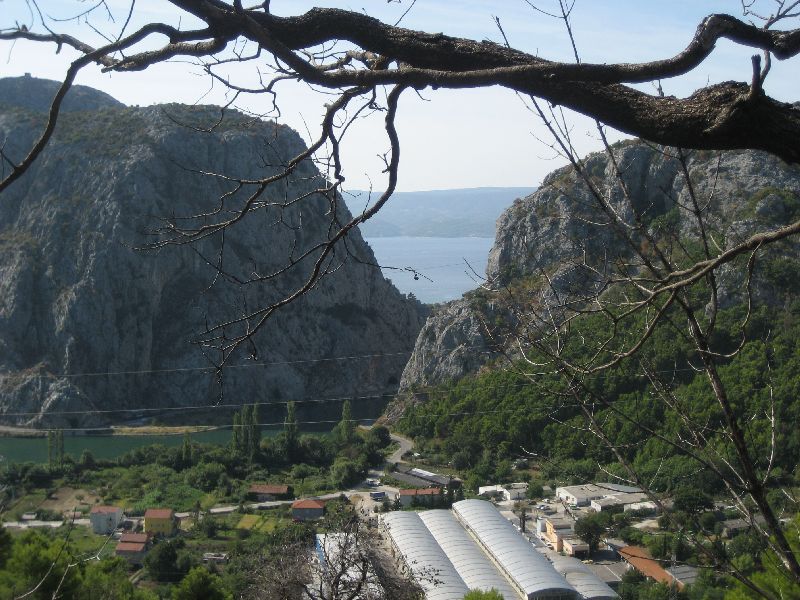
{"x":450,"y":139}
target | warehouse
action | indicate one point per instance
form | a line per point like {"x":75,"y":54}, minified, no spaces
{"x":530,"y":572}
{"x":582,"y":495}
{"x":582,"y":578}
{"x":470,"y":562}
{"x":474,"y":547}
{"x":423,"y":557}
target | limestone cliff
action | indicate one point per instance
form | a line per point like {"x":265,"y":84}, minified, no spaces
{"x":557,"y":232}
{"x":88,"y":324}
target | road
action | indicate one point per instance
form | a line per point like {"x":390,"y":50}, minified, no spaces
{"x":36,"y":523}
{"x":405,"y":446}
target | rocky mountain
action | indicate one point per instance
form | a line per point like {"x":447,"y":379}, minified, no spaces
{"x":89,"y":325}
{"x":557,"y":231}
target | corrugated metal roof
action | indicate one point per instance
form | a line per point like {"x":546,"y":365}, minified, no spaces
{"x":530,"y":571}
{"x":470,"y":562}
{"x":581,"y":577}
{"x":422,"y":554}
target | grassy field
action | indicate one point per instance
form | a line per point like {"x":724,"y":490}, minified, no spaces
{"x":263,"y":523}
{"x":67,"y":498}
{"x":27,"y":503}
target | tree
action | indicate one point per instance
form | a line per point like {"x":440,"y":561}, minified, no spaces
{"x":291,"y":433}
{"x":51,"y":450}
{"x":162,"y":561}
{"x":245,"y":431}
{"x":692,"y":501}
{"x":87,"y":462}
{"x":345,"y":429}
{"x":350,"y":562}
{"x":591,"y":529}
{"x":662,"y":282}
{"x":186,"y":450}
{"x":492,"y":594}
{"x":108,"y":579}
{"x":236,"y":433}
{"x":199,"y":584}
{"x":255,"y":430}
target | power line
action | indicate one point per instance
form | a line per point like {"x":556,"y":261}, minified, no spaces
{"x":283,"y":423}
{"x":220,"y":406}
{"x":210,"y":368}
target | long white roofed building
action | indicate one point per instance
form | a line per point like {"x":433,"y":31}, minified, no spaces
{"x":581,"y":577}
{"x":423,"y":556}
{"x":471,"y":563}
{"x":475,"y":547}
{"x":532,"y":575}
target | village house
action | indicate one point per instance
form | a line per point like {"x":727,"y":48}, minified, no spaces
{"x":640,"y":559}
{"x":159,"y":521}
{"x":265,"y":492}
{"x":422,"y":497}
{"x":133,"y":547}
{"x":105,"y":519}
{"x":308,"y":509}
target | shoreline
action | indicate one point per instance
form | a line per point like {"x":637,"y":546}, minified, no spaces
{"x":9,"y":431}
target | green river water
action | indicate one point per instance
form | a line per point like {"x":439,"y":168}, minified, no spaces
{"x":24,"y":449}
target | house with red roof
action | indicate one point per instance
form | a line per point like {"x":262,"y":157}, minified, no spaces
{"x":133,"y":547}
{"x":422,"y":496}
{"x":264,"y":492}
{"x":132,"y":552}
{"x":641,"y":560}
{"x":308,"y":509}
{"x":159,"y":521}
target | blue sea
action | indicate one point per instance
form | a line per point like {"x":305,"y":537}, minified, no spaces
{"x":444,"y":266}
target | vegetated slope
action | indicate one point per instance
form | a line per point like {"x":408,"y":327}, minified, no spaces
{"x":88,"y":323}
{"x":556,"y":229}
{"x":469,"y":212}
{"x":467,"y":406}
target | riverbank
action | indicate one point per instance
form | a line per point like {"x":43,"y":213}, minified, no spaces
{"x":159,"y":430}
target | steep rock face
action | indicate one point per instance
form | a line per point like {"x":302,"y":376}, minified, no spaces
{"x":555,"y":243}
{"x":89,"y":324}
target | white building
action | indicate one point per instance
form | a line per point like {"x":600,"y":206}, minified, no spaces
{"x":105,"y":519}
{"x":619,"y":501}
{"x":582,"y":495}
{"x":510,"y":491}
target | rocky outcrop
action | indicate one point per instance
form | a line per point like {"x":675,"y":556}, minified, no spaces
{"x":555,"y":246}
{"x":89,"y":325}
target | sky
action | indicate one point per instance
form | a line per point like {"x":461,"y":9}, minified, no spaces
{"x":449,"y":138}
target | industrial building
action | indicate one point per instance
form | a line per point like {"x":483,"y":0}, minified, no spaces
{"x":423,"y":557}
{"x":582,"y":495}
{"x":581,"y":577}
{"x":470,"y":562}
{"x":475,"y":547}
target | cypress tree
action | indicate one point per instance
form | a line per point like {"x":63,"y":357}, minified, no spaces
{"x":245,"y":432}
{"x":291,"y":432}
{"x":60,"y":447}
{"x":348,"y":426}
{"x":51,"y":450}
{"x":255,"y":430}
{"x":236,"y":433}
{"x":186,"y":451}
